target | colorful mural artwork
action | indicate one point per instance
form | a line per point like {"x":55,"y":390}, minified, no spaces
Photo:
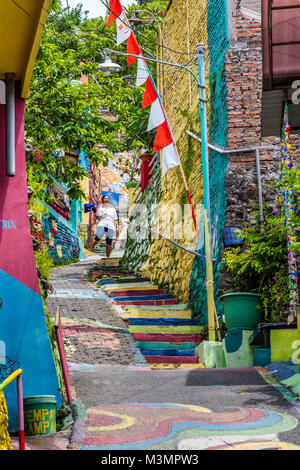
{"x":23,"y":328}
{"x":63,"y":242}
{"x":185,"y":427}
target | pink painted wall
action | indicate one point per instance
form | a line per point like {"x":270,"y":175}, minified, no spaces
{"x":16,"y":251}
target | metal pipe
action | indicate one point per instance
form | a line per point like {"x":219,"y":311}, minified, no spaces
{"x":20,"y":412}
{"x":10,"y":125}
{"x":260,"y":200}
{"x":138,"y":195}
{"x":253,"y":149}
{"x":225,"y":151}
{"x":137,"y":186}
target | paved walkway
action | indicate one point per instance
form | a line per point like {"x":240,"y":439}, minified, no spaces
{"x":120,"y":403}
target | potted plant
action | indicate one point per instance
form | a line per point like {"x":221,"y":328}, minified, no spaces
{"x":259,"y":274}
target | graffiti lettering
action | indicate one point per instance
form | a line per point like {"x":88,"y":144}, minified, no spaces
{"x":8,"y":224}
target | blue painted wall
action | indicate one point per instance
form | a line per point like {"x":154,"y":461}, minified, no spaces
{"x":25,"y":342}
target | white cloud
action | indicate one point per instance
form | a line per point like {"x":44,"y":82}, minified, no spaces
{"x":95,"y":7}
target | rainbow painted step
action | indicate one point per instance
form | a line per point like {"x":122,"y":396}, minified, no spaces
{"x":172,"y":359}
{"x":166,"y":329}
{"x":130,"y":293}
{"x":129,"y":287}
{"x":172,"y":338}
{"x":147,"y":302}
{"x":168,"y":352}
{"x":125,"y":280}
{"x":162,"y":328}
{"x":162,"y":321}
{"x":167,"y":313}
{"x":132,"y":298}
{"x":165,"y":346}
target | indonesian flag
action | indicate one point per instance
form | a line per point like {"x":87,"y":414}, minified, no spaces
{"x":163,"y":137}
{"x":169,"y":158}
{"x":115,"y":10}
{"x":132,"y":48}
{"x":123,"y":28}
{"x":142,"y":72}
{"x":156,"y":117}
{"x":150,"y":94}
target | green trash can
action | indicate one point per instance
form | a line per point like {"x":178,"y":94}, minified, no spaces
{"x":39,"y":415}
{"x":242,"y":310}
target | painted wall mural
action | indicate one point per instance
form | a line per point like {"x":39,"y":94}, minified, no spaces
{"x":23,"y":330}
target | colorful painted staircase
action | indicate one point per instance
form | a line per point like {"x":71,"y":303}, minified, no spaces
{"x":162,"y":328}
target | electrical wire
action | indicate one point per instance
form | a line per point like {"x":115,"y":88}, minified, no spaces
{"x":145,"y":37}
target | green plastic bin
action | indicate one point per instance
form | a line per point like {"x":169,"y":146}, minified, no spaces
{"x":39,"y":415}
{"x":242,"y":310}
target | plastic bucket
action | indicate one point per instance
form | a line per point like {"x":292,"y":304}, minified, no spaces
{"x":231,"y":236}
{"x":39,"y":415}
{"x":242,"y":310}
{"x":262,"y":357}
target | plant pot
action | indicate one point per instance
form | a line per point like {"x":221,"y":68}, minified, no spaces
{"x":131,"y":184}
{"x":242,"y":310}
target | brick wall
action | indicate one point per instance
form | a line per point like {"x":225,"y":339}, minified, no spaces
{"x":244,"y":96}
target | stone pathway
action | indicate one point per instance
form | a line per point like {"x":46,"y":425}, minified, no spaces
{"x":93,"y":331}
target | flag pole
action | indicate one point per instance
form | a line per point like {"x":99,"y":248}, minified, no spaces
{"x":176,"y":150}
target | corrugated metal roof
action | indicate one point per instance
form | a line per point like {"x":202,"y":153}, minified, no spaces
{"x":272,"y":112}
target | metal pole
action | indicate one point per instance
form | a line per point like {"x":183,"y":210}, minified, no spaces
{"x":20,"y":413}
{"x":10,"y":125}
{"x":260,"y":199}
{"x":204,"y":147}
{"x":209,"y":283}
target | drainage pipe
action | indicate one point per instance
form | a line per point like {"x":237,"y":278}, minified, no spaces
{"x":10,"y":125}
{"x":243,"y":150}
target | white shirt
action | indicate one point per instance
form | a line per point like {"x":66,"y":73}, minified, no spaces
{"x":108,"y":216}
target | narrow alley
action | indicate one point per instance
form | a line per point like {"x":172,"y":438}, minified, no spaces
{"x":120,"y":403}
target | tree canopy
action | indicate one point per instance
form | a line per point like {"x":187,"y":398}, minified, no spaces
{"x":101,"y":116}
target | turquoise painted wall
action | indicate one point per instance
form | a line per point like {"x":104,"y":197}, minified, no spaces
{"x":218,"y":127}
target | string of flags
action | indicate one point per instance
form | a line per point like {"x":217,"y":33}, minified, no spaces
{"x":164,"y":140}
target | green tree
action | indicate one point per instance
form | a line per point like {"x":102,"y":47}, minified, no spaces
{"x":63,"y":113}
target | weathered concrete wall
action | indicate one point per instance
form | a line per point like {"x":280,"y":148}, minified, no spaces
{"x":138,"y":242}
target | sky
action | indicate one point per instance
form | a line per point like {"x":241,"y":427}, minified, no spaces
{"x":95,"y":7}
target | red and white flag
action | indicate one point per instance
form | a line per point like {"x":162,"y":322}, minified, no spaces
{"x":123,"y":28}
{"x":169,"y":158}
{"x":115,"y":10}
{"x":164,"y":140}
{"x":142,"y":72}
{"x":156,"y":117}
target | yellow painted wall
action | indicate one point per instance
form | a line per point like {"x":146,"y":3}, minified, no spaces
{"x":5,"y":441}
{"x":184,"y":27}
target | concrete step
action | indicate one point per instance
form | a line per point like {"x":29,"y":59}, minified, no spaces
{"x":181,"y":329}
{"x":129,"y":286}
{"x":155,"y":308}
{"x":163,"y":321}
{"x":174,"y":338}
{"x":133,"y":313}
{"x":147,"y":302}
{"x":165,"y":346}
{"x":168,"y":352}
{"x":132,"y":298}
{"x":125,"y":280}
{"x":127,"y":293}
{"x":170,"y":366}
{"x":172,"y":359}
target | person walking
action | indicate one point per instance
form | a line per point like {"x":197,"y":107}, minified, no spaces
{"x":107,"y":219}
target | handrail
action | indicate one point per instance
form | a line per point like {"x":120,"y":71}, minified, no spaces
{"x":17,"y":375}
